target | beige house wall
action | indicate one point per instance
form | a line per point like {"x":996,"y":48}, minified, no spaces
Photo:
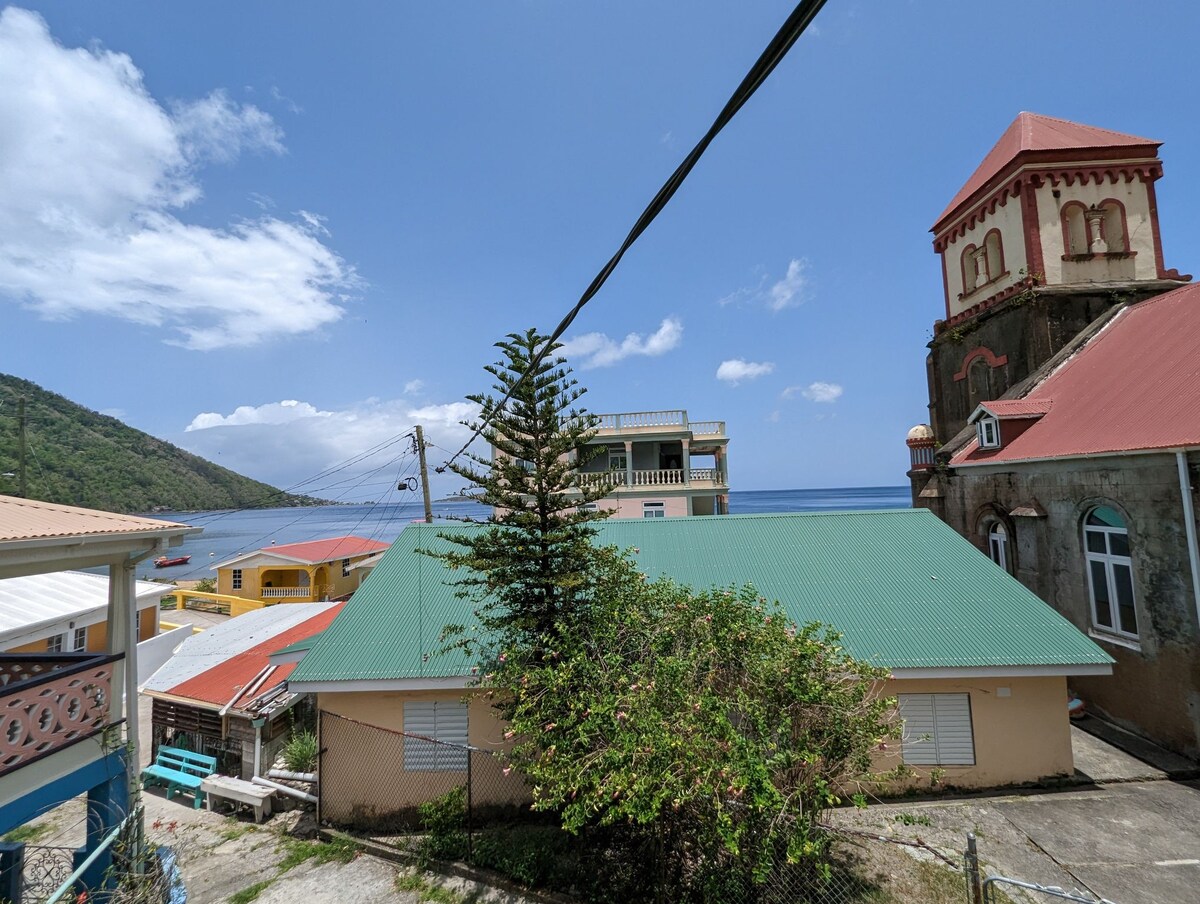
{"x":97,"y":633}
{"x":363,"y":780}
{"x":1020,"y":736}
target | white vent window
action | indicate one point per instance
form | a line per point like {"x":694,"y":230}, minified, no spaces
{"x":345,"y":568}
{"x":988,"y":431}
{"x":654,"y":509}
{"x":937,"y":729}
{"x":440,"y":721}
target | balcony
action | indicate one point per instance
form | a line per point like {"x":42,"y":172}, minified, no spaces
{"x":661,"y":477}
{"x":286,"y":593}
{"x":673,"y":421}
{"x":50,"y":701}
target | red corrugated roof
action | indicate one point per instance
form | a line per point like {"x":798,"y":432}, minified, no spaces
{"x":1031,"y":132}
{"x":218,"y":685}
{"x":327,"y":550}
{"x":1134,"y":386}
{"x":1004,"y":409}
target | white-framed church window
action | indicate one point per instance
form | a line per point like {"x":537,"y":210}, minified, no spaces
{"x":997,"y":537}
{"x":1110,"y":572}
{"x":988,"y":432}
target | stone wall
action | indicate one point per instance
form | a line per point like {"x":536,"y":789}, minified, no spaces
{"x":1155,"y":686}
{"x":1019,"y":335}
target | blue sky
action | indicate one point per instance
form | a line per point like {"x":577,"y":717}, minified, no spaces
{"x":277,"y":233}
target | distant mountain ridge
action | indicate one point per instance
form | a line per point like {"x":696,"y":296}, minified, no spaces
{"x":76,"y":456}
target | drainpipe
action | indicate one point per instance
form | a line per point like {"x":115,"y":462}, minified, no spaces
{"x":1189,"y":523}
{"x":258,"y":727}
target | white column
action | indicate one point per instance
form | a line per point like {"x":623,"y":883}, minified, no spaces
{"x":628,"y":463}
{"x":122,"y":638}
{"x":687,"y":466}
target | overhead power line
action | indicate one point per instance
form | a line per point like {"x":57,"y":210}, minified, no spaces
{"x":771,"y":57}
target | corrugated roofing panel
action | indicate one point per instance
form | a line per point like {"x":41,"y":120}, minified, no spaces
{"x":904,"y":589}
{"x":219,"y":684}
{"x":46,"y":599}
{"x":1134,"y":386}
{"x":30,"y":519}
{"x":210,"y":648}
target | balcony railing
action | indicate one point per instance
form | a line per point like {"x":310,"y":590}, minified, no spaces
{"x":51,"y":701}
{"x":649,"y":478}
{"x":286,"y":593}
{"x":708,"y":428}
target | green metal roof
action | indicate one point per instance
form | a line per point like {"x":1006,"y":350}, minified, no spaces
{"x":905,"y":590}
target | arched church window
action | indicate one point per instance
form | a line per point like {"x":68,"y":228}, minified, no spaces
{"x":997,"y":537}
{"x":979,"y":382}
{"x":1075,"y":232}
{"x":1113,"y":226}
{"x":1110,"y":571}
{"x":995,"y":255}
{"x":968,"y":269}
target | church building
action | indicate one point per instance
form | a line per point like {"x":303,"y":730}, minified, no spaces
{"x":1064,"y":406}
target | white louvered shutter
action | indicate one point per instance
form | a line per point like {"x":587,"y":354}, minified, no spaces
{"x":937,"y":729}
{"x":443,"y":721}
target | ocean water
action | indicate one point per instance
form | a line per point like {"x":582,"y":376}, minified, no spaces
{"x":230,"y":533}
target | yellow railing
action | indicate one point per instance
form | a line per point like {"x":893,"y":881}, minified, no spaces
{"x":222,"y":602}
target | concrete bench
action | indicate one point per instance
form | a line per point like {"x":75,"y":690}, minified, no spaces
{"x":234,"y":789}
{"x":180,"y":770}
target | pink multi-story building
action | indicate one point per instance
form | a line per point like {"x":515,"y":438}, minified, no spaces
{"x":659,"y":464}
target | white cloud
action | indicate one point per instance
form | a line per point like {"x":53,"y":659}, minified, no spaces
{"x":820,"y":392}
{"x":792,"y":290}
{"x":598,"y":350}
{"x":93,"y":172}
{"x":737,"y":370}
{"x":286,"y":443}
{"x":789,"y":292}
{"x":412,"y":387}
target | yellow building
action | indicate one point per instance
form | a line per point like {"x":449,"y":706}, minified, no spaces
{"x":298,"y":572}
{"x":67,"y":612}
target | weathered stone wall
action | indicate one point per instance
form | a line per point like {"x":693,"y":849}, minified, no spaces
{"x":1027,"y":330}
{"x":1155,"y":687}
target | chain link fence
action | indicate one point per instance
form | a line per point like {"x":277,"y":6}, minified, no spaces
{"x":446,"y":801}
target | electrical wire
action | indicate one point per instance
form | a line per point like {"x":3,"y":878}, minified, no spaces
{"x":771,"y":57}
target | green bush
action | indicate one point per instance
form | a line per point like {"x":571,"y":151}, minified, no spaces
{"x":444,"y":819}
{"x":300,"y":752}
{"x":206,"y":585}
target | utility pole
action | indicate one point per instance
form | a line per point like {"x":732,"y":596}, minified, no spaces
{"x":424,"y":475}
{"x":22,"y":487}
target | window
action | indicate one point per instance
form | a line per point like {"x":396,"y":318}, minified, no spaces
{"x":1110,"y":571}
{"x":442,"y":721}
{"x":654,"y":509}
{"x":79,"y":641}
{"x":137,"y":623}
{"x":617,"y":460}
{"x":345,"y":568}
{"x":937,"y":729}
{"x":54,"y":644}
{"x":969,"y":273}
{"x":988,"y":431}
{"x":589,"y":507}
{"x":1075,"y":231}
{"x":998,"y":544}
{"x":1112,"y":226}
{"x":237,"y":579}
{"x":995,"y":255}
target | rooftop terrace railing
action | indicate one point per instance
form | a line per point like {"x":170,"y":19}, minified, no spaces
{"x":49,"y":701}
{"x":675,"y":419}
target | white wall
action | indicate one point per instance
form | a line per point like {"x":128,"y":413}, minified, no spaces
{"x":152,"y":654}
{"x":1137,"y":216}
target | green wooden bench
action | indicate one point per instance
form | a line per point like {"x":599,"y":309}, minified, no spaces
{"x":180,"y":770}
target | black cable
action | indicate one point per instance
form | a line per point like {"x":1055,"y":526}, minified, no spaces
{"x":774,"y":53}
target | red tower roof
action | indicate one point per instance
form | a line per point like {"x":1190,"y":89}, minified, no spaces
{"x":1032,"y":136}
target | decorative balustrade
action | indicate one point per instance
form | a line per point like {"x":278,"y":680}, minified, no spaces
{"x":699,"y":474}
{"x":602,"y":478}
{"x":660,"y":477}
{"x":49,"y":702}
{"x":286,"y":593}
{"x":708,"y":428}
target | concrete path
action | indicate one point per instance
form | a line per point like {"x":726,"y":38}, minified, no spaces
{"x":1127,"y":830}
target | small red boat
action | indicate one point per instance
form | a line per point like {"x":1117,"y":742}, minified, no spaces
{"x":164,"y":562}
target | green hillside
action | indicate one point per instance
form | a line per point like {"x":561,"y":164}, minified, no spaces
{"x":78,"y":457}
